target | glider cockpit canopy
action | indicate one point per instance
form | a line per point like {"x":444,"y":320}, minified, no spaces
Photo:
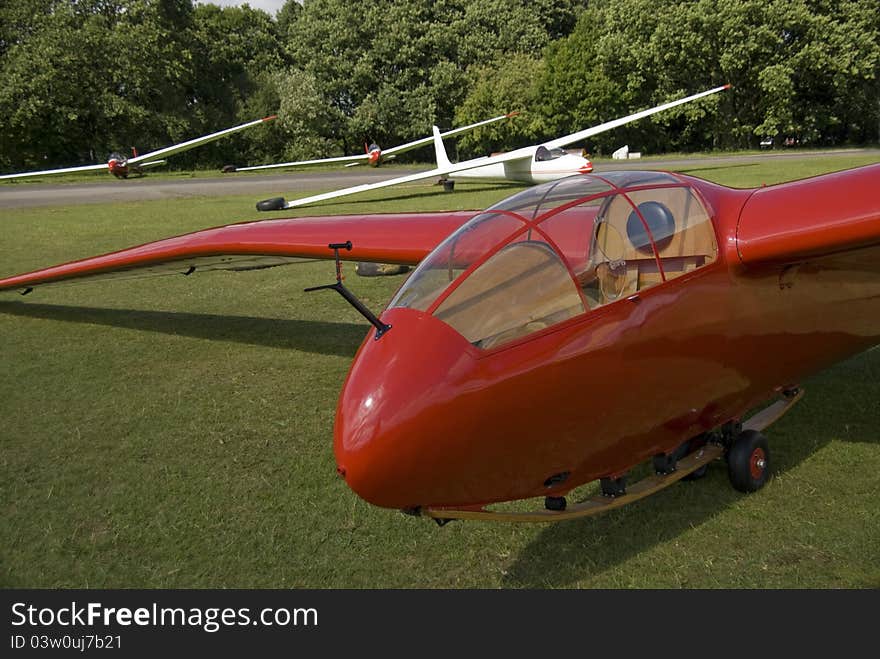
{"x":543,"y":154}
{"x":559,"y":250}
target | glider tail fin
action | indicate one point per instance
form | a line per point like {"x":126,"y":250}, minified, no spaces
{"x":440,"y":150}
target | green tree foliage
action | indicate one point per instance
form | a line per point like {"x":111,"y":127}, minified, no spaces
{"x":799,"y":68}
{"x":308,"y":122}
{"x":511,"y":85}
{"x":89,"y":76}
{"x":95,"y":75}
{"x":81,"y":78}
{"x":19,"y":19}
{"x":389,"y":69}
{"x":237,"y":53}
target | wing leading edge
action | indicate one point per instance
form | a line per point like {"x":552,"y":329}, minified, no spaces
{"x":402,"y":238}
{"x":149,"y":159}
{"x":199,"y":141}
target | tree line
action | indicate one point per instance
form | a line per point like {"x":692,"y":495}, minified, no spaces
{"x":81,"y":78}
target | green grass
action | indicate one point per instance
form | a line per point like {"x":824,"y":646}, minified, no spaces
{"x":176,"y":432}
{"x":747,"y":175}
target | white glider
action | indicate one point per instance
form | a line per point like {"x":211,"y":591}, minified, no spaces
{"x":121,"y":166}
{"x":531,"y":164}
{"x":374,"y":155}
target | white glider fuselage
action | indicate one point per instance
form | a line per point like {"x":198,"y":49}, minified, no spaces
{"x":528,"y":169}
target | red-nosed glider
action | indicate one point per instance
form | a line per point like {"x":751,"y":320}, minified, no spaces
{"x":572,"y":331}
{"x":121,"y":166}
{"x":373,"y":154}
{"x":531,"y":164}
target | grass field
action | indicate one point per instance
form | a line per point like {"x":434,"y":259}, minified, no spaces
{"x":176,"y":432}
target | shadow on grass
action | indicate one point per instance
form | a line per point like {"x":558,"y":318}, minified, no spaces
{"x":325,"y":338}
{"x":840,"y":404}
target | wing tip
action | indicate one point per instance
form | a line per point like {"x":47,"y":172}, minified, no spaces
{"x":273,"y":204}
{"x":270,"y":117}
{"x":515,"y":113}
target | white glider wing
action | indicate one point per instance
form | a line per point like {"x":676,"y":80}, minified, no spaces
{"x":409,"y":146}
{"x":198,"y":141}
{"x":608,"y":125}
{"x":147,"y":159}
{"x":305,"y":163}
{"x":363,"y":157}
{"x":445,"y":168}
{"x":278,"y":203}
{"x":65,"y":170}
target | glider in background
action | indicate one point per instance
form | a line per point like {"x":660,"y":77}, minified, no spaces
{"x":572,"y":331}
{"x":531,"y":164}
{"x":373,"y":155}
{"x":121,"y":166}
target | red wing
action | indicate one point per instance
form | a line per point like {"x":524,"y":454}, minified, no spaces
{"x":813,"y":217}
{"x":404,"y":238}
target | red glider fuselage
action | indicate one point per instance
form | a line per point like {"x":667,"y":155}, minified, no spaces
{"x":426,"y":418}
{"x":572,"y":331}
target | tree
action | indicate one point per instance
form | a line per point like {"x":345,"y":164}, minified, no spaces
{"x":124,"y":84}
{"x":802,"y":68}
{"x":391,"y":69}
{"x":236,"y":54}
{"x":510,"y":85}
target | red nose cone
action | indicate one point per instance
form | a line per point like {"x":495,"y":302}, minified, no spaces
{"x":117,"y":168}
{"x":402,"y":409}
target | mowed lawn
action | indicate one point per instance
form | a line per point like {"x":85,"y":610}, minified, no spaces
{"x":177,"y":432}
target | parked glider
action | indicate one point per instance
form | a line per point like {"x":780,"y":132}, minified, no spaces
{"x":373,"y":154}
{"x":531,"y":164}
{"x":571,"y":331}
{"x":121,"y":166}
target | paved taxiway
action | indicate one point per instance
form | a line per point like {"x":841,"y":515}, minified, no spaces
{"x":295,"y":184}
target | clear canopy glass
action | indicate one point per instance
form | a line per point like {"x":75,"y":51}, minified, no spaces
{"x":555,"y":251}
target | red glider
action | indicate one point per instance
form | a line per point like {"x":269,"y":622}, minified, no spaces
{"x":572,"y":331}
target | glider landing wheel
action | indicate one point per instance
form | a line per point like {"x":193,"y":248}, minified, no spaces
{"x":448,"y":186}
{"x":555,"y":503}
{"x":748,"y":461}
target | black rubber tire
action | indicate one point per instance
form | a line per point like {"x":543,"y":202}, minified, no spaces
{"x":748,"y":461}
{"x":273,"y":204}
{"x":448,"y":186}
